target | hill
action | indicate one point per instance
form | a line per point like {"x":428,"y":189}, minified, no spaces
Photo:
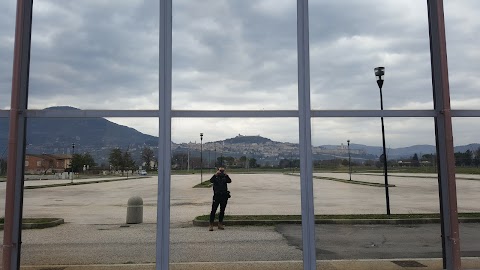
{"x":248,"y":139}
{"x":94,"y":135}
{"x":98,"y":136}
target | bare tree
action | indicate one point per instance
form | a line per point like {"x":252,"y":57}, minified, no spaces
{"x":147,"y":156}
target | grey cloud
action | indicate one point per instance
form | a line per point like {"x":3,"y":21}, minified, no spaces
{"x":462,"y":32}
{"x":242,"y":47}
{"x":7,"y":21}
{"x":236,"y":54}
{"x":347,"y":45}
{"x":96,"y":49}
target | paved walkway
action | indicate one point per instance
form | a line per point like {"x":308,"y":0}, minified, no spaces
{"x":72,"y":244}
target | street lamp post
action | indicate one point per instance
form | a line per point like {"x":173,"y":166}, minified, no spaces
{"x":73,"y":153}
{"x":379,"y":74}
{"x":221,"y":156}
{"x":349,"y":161}
{"x":215,"y":157}
{"x":201,"y":158}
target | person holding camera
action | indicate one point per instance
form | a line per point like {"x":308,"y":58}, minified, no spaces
{"x":220,"y":196}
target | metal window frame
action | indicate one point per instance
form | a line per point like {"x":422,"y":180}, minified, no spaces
{"x":34,"y":113}
{"x":17,"y":134}
{"x":444,"y":137}
{"x":442,"y":114}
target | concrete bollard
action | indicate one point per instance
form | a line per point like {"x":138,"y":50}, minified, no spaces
{"x":135,"y":210}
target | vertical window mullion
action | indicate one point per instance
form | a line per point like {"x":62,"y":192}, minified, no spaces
{"x":164,"y":135}
{"x":305,"y":140}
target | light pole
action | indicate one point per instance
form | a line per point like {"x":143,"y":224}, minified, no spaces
{"x":73,"y":153}
{"x":215,"y":157}
{"x":349,"y":161}
{"x":201,"y":158}
{"x":379,"y":74}
{"x":221,"y":157}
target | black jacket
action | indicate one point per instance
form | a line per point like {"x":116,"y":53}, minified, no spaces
{"x":220,"y":183}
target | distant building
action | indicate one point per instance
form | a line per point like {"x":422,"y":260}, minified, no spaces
{"x":46,"y":163}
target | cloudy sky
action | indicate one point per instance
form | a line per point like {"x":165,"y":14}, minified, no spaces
{"x":241,"y":55}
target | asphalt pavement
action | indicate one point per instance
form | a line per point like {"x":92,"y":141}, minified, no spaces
{"x":127,"y":244}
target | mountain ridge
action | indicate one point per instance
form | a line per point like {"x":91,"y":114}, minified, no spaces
{"x":56,"y":135}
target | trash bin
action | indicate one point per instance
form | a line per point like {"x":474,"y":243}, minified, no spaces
{"x":135,"y":210}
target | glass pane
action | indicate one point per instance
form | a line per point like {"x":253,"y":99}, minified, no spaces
{"x":234,"y":55}
{"x":3,"y":170}
{"x":261,"y":158}
{"x":462,"y":33}
{"x":7,"y":30}
{"x":7,"y":20}
{"x":108,"y":203}
{"x":348,"y":39}
{"x":349,"y":183}
{"x":94,"y":54}
{"x":467,"y":175}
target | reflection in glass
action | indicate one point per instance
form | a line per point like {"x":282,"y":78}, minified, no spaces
{"x":234,"y":55}
{"x":262,"y":160}
{"x":7,"y":20}
{"x":344,"y":145}
{"x":94,"y":54}
{"x":467,"y":160}
{"x":349,"y":38}
{"x":89,"y":173}
{"x":467,"y":176}
{"x":462,"y":34}
{"x":3,"y":162}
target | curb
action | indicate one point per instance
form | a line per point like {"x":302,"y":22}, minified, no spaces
{"x":42,"y":225}
{"x":353,"y":182}
{"x":204,"y":223}
{"x":359,"y":264}
{"x":203,"y":186}
{"x":81,"y":183}
{"x":378,"y":264}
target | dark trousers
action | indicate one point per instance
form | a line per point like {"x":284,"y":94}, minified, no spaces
{"x":218,"y":200}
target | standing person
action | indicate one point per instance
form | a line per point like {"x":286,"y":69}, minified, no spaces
{"x":220,"y":196}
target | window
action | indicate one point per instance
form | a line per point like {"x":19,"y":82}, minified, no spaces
{"x":214,"y":74}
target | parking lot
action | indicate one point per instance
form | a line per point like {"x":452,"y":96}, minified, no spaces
{"x":95,"y":215}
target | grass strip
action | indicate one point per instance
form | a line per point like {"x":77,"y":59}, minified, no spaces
{"x":354,"y":182}
{"x":419,"y":176}
{"x":205,"y":184}
{"x":320,"y":217}
{"x":36,"y":223}
{"x":394,"y":175}
{"x":32,"y":220}
{"x":79,"y":183}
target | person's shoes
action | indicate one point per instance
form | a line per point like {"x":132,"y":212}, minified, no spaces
{"x":220,"y":226}
{"x":211,"y":227}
